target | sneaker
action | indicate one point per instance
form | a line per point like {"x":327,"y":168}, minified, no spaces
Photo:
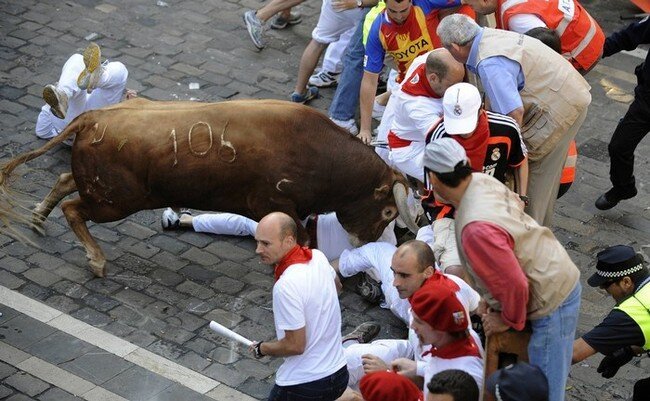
{"x":369,"y":289}
{"x":279,"y":22}
{"x":89,"y":77}
{"x":311,"y":94}
{"x":363,"y":333}
{"x":349,"y":125}
{"x":255,"y":29}
{"x":170,"y":220}
{"x":324,"y":79}
{"x":57,"y":100}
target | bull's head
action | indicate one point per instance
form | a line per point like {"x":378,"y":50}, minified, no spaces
{"x":366,"y":218}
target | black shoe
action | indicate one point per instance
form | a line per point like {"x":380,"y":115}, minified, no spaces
{"x":611,"y":198}
{"x":364,"y":333}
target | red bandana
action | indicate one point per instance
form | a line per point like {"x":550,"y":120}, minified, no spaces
{"x":476,"y":145}
{"x":417,"y":84}
{"x":459,"y":348}
{"x":297,"y":254}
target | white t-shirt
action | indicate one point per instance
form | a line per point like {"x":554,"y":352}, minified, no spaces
{"x":414,"y":115}
{"x":522,"y":23}
{"x":305,"y":296}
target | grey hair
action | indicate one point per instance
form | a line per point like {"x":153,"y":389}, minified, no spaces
{"x":458,"y":29}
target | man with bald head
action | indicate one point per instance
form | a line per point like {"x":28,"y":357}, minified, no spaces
{"x":306,"y":313}
{"x":415,"y":106}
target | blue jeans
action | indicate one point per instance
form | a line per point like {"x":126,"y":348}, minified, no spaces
{"x":551,"y":344}
{"x":346,"y":98}
{"x":328,"y":388}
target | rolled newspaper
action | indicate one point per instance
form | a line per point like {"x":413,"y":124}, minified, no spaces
{"x":226,"y":332}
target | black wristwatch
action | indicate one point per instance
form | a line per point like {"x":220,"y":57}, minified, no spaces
{"x":524,"y":199}
{"x":258,"y":350}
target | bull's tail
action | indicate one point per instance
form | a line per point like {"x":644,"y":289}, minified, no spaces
{"x":11,"y":208}
{"x":11,"y":165}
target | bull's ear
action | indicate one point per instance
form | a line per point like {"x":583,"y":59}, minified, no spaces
{"x":382,"y":192}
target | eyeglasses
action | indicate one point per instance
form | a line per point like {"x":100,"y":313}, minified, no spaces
{"x":607,"y":284}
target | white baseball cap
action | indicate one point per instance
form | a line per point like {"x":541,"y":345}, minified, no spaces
{"x":443,"y":154}
{"x":461,"y":103}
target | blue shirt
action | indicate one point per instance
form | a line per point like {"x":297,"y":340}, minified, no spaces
{"x":501,"y":77}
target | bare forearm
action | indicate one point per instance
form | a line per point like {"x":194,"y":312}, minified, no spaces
{"x":280,"y":348}
{"x":366,"y":98}
{"x":522,"y":178}
{"x":581,"y":350}
{"x":518,"y":115}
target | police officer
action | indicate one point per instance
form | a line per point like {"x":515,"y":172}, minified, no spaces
{"x":625,"y":331}
{"x":635,"y":125}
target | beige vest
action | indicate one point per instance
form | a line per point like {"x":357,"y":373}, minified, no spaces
{"x":554,"y":93}
{"x":551,"y":273}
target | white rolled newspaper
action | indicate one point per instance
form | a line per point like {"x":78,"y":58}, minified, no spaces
{"x":226,"y":332}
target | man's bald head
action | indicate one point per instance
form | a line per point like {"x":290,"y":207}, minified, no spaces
{"x":443,"y":70}
{"x":420,"y":250}
{"x":276,"y":234}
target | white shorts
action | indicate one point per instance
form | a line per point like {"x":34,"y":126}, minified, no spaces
{"x":332,"y":25}
{"x":409,"y":160}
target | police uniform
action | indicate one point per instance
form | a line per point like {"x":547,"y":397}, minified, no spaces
{"x":628,"y":324}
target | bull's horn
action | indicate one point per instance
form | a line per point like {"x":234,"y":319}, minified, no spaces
{"x":399,"y":191}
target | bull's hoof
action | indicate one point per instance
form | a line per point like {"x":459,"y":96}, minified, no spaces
{"x":98,"y":268}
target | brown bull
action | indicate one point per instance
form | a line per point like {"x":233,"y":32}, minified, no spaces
{"x":249,"y":157}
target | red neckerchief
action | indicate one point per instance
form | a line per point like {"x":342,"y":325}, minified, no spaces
{"x":417,"y":83}
{"x":297,"y":254}
{"x":476,"y":145}
{"x":459,"y":348}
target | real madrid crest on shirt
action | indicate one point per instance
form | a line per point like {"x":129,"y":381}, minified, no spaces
{"x":496,"y":154}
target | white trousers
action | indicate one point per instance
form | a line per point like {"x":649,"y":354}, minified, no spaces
{"x":333,"y":58}
{"x":409,"y":160}
{"x":332,"y":237}
{"x":387,"y":350}
{"x":109,"y":90}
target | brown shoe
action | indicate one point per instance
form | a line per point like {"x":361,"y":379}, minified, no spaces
{"x":89,"y":77}
{"x":364,"y":333}
{"x":57,"y":100}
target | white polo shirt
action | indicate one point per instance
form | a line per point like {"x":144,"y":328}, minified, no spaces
{"x":305,"y":296}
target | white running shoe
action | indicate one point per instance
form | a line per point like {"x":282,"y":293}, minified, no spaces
{"x":324,"y":79}
{"x":349,"y":125}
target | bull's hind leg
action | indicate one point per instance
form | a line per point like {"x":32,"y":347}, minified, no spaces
{"x":75,"y":211}
{"x":63,"y":187}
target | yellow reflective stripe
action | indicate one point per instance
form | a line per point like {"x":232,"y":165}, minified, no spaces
{"x":635,"y":308}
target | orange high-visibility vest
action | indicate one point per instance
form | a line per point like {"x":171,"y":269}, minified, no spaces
{"x":569,"y":170}
{"x":581,"y":37}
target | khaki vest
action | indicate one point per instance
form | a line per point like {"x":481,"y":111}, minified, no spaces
{"x":638,"y":308}
{"x":554,"y":93}
{"x":551,"y":273}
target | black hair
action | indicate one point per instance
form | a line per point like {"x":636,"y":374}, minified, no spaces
{"x":461,"y":171}
{"x":457,"y":383}
{"x":547,"y":36}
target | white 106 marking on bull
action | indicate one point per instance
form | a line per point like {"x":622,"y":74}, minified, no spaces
{"x":189,"y":139}
{"x":173,"y":135}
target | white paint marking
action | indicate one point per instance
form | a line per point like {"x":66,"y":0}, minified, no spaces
{"x":110,"y":343}
{"x":638,"y":53}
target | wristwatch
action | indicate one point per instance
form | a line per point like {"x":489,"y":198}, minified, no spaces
{"x":524,"y":199}
{"x":360,"y":3}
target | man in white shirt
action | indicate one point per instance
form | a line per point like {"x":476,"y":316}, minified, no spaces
{"x":307,"y":316}
{"x":415,"y":106}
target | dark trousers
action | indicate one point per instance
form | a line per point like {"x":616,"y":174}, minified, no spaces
{"x":629,"y":132}
{"x":326,"y":389}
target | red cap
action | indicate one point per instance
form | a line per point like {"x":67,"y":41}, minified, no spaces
{"x":436,"y":303}
{"x":388,"y":386}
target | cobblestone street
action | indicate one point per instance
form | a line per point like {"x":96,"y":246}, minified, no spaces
{"x":141,"y":333}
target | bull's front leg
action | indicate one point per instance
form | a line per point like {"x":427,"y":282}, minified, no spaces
{"x":64,"y":186}
{"x":75,"y":212}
